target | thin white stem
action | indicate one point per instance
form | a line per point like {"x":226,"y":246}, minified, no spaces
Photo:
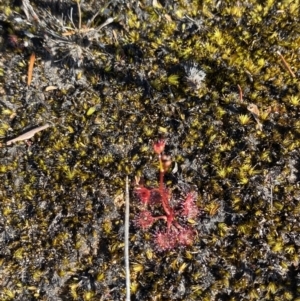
{"x":108,"y":21}
{"x":79,"y":14}
{"x":126,"y":252}
{"x":271,"y":194}
{"x":92,"y":19}
{"x":71,"y":18}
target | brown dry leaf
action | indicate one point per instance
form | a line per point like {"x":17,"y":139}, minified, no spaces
{"x":253,"y":109}
{"x":255,"y":112}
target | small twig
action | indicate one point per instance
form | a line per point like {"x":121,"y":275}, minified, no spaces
{"x":287,"y":66}
{"x":271,"y":196}
{"x":268,"y":179}
{"x":108,"y":21}
{"x":28,"y":135}
{"x":241,"y":93}
{"x":92,"y":19}
{"x":126,"y":242}
{"x":30,"y":68}
{"x":115,"y":37}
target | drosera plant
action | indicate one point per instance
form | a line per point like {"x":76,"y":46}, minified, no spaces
{"x":176,"y":230}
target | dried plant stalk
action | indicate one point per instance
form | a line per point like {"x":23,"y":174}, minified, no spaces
{"x":287,"y":66}
{"x":126,"y":252}
{"x":28,"y":135}
{"x":30,"y":68}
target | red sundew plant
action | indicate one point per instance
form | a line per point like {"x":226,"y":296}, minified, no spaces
{"x":176,"y":232}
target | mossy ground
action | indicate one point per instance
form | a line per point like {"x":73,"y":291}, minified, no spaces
{"x":62,"y":197}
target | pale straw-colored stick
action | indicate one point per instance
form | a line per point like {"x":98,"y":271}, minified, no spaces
{"x":28,"y":134}
{"x":127,"y":268}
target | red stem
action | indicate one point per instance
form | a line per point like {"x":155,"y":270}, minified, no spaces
{"x":162,"y":190}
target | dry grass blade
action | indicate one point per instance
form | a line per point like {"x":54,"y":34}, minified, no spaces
{"x":29,"y":11}
{"x":287,"y":66}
